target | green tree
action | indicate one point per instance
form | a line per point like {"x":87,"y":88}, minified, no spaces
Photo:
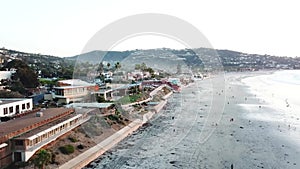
{"x":24,"y":77}
{"x":10,"y":94}
{"x":151,"y":71}
{"x":100,"y":99}
{"x":43,"y":157}
{"x":143,"y":66}
{"x":24,"y":73}
{"x":137,"y":67}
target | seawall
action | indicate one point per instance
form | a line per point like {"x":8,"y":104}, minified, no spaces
{"x":93,"y":153}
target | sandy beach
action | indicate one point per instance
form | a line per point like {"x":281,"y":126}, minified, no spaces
{"x":194,"y":130}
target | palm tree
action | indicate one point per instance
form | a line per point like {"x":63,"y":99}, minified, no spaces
{"x":100,"y":68}
{"x":137,"y":67}
{"x":143,"y":66}
{"x":43,"y":157}
{"x":108,"y":65}
{"x":117,"y":65}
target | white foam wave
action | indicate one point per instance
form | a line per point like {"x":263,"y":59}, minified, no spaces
{"x":281,"y":93}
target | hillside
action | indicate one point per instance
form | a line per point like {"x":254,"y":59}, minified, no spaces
{"x":166,"y":59}
{"x":230,"y":60}
{"x":44,"y":65}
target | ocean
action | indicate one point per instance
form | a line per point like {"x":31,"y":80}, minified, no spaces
{"x":280,"y":93}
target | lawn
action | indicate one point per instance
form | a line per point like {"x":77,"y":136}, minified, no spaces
{"x":129,"y":98}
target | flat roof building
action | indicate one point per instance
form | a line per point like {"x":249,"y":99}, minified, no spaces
{"x":14,"y":106}
{"x":22,"y":137}
{"x":73,"y":90}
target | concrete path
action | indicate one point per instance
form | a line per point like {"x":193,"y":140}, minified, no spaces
{"x":94,"y":152}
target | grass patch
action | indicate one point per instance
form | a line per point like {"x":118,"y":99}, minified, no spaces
{"x":129,"y":98}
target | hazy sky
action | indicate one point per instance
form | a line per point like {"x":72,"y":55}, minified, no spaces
{"x":62,"y":28}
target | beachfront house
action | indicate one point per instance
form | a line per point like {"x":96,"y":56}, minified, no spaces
{"x":73,"y":90}
{"x":22,"y":137}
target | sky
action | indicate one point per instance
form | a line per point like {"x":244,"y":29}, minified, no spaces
{"x":62,"y":28}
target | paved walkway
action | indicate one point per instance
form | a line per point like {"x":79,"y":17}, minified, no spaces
{"x":91,"y":154}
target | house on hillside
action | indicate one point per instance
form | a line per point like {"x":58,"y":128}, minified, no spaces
{"x":138,"y":75}
{"x":6,"y":75}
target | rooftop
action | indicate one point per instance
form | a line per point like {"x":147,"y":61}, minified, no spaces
{"x":10,"y":100}
{"x":29,"y":120}
{"x":75,"y":82}
{"x":90,"y":105}
{"x":47,"y":127}
{"x":69,"y":87}
{"x":128,"y":86}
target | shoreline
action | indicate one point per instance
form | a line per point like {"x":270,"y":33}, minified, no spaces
{"x":282,"y":106}
{"x":171,"y":139}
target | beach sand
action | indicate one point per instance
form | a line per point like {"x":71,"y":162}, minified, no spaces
{"x":174,"y":138}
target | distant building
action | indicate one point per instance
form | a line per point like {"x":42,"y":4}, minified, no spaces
{"x":125,"y":89}
{"x":36,"y":98}
{"x":107,"y":94}
{"x":6,"y":75}
{"x":138,"y":75}
{"x":14,"y":106}
{"x":73,"y":90}
{"x":172,"y":83}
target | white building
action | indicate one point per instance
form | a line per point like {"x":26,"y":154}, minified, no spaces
{"x":73,"y":90}
{"x":27,"y":144}
{"x":14,"y":106}
{"x":6,"y":75}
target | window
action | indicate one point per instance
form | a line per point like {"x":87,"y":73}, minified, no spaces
{"x":51,"y":132}
{"x":23,"y":106}
{"x":5,"y":111}
{"x":28,"y":105}
{"x":11,"y":109}
{"x":19,"y":142}
{"x":17,"y":109}
{"x":30,"y":142}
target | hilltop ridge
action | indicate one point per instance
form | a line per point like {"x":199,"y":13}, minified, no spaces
{"x":54,"y":66}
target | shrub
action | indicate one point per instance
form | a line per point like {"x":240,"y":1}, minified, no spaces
{"x":80,"y":146}
{"x":67,"y":149}
{"x":72,"y":139}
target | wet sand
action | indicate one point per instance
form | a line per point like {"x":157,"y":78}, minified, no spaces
{"x":173,"y":138}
